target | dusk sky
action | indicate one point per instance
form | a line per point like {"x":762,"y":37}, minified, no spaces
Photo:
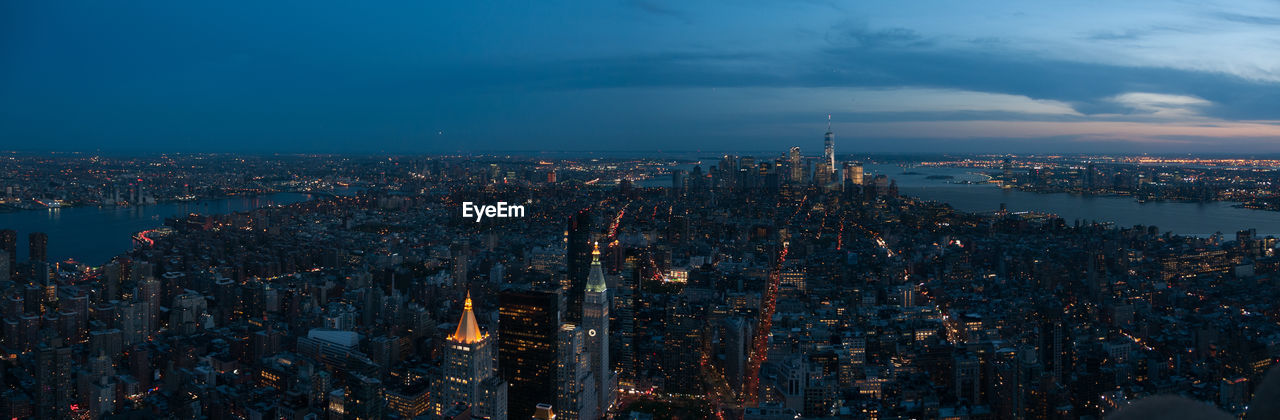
{"x":426,"y":76}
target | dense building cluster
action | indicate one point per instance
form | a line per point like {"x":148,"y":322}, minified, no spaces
{"x":1247,"y":182}
{"x":37,"y":181}
{"x":754,"y":287}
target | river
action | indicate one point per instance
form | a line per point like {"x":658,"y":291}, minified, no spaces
{"x":93,"y":235}
{"x":1194,"y":219}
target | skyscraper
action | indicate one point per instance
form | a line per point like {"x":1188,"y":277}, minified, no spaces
{"x":853,"y":173}
{"x":678,"y":181}
{"x":528,"y":328}
{"x":5,"y":274}
{"x":793,"y":160}
{"x":39,"y":247}
{"x":9,"y":244}
{"x":575,"y":393}
{"x":578,"y":262}
{"x":624,"y":315}
{"x":735,"y":351}
{"x":468,"y":372}
{"x":829,"y":146}
{"x":595,"y":318}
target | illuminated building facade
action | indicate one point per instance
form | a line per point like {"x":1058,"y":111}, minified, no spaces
{"x":528,"y":325}
{"x":469,"y":374}
{"x":595,"y":318}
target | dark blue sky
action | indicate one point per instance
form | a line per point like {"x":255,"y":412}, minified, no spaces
{"x":420,"y":76}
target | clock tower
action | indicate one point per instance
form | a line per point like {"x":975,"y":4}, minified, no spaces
{"x":595,"y":319}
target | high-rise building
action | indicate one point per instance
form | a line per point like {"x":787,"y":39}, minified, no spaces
{"x":9,"y":245}
{"x":853,"y":173}
{"x":829,"y":146}
{"x":5,"y":274}
{"x":823,"y":174}
{"x":149,"y":293}
{"x":39,"y":247}
{"x":678,"y":180}
{"x":461,"y":251}
{"x":595,"y":318}
{"x":575,"y":393}
{"x":735,"y":352}
{"x":682,"y":348}
{"x":53,"y":379}
{"x":528,"y":328}
{"x":967,"y":378}
{"x":468,"y":373}
{"x":794,"y":162}
{"x":852,"y":357}
{"x":578,"y":262}
{"x":365,"y":398}
{"x":624,"y":316}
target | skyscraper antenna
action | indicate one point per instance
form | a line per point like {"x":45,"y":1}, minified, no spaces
{"x":828,"y":122}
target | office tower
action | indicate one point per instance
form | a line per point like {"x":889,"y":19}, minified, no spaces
{"x":39,"y":247}
{"x":366,"y":400}
{"x":9,"y":245}
{"x":468,"y":372}
{"x":735,"y":352}
{"x":853,"y":354}
{"x":829,"y":146}
{"x":697,"y":182}
{"x":682,"y":348}
{"x":133,"y":322}
{"x":595,"y":318}
{"x":528,"y":328}
{"x":728,"y":172}
{"x":797,"y":171}
{"x":578,"y":262}
{"x":823,"y":174}
{"x":461,"y":257}
{"x":53,"y":380}
{"x":677,"y":182}
{"x":185,"y":316}
{"x":149,"y":293}
{"x":746,"y":173}
{"x":853,"y":173}
{"x":967,"y":379}
{"x":575,"y":393}
{"x":5,"y":274}
{"x":1054,"y":354}
{"x":793,"y":376}
{"x":624,"y":314}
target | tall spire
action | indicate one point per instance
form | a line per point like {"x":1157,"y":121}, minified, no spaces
{"x":595,"y":280}
{"x":468,"y":331}
{"x":829,"y":146}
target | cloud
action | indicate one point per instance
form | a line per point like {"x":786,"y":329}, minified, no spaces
{"x":861,"y":37}
{"x":1250,"y":19}
{"x":1162,"y":105}
{"x":1145,"y":132}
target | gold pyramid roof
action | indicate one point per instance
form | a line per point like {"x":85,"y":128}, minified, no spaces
{"x":468,"y":331}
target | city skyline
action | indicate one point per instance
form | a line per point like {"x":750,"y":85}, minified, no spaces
{"x":417,"y":78}
{"x":741,"y":287}
{"x":639,"y":209}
